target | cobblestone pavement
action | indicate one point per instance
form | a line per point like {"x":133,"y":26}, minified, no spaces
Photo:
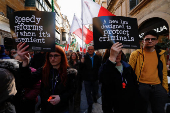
{"x":97,"y":107}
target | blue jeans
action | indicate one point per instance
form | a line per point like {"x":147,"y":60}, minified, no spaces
{"x":91,"y":88}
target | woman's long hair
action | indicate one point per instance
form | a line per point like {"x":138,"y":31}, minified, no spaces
{"x":106,"y":55}
{"x":71,"y":56}
{"x":62,"y":69}
{"x":71,"y":62}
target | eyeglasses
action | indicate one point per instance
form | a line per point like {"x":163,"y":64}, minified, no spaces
{"x":148,"y":39}
{"x":55,"y":56}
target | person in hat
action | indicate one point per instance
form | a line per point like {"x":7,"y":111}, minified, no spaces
{"x":79,"y":55}
{"x":7,"y":91}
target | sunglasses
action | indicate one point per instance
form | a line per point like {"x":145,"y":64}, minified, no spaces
{"x":148,"y":39}
{"x":55,"y":56}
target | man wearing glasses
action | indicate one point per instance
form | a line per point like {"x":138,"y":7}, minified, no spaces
{"x":150,"y":67}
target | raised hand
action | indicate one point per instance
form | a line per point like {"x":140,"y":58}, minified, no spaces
{"x":24,"y":55}
{"x":114,"y":51}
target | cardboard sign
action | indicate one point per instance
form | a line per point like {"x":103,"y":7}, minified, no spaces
{"x":36,"y":28}
{"x":110,"y":29}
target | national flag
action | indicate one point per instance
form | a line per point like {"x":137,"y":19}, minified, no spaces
{"x":80,"y":49}
{"x":91,"y":9}
{"x":84,"y":50}
{"x":66,"y":47}
{"x":76,"y":28}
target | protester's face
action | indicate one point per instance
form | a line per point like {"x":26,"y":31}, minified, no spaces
{"x":13,"y":53}
{"x":90,"y":50}
{"x":73,"y":56}
{"x":118,"y":58}
{"x":55,"y":58}
{"x":6,"y":52}
{"x":150,"y":41}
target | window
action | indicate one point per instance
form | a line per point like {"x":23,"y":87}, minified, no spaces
{"x":37,"y":5}
{"x":108,"y":1}
{"x":9,"y":11}
{"x":41,"y":1}
{"x":134,"y":3}
{"x":45,"y":7}
{"x":64,"y":36}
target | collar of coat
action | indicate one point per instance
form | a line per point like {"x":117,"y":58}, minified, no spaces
{"x":72,"y":71}
{"x":160,"y":51}
{"x":10,"y":64}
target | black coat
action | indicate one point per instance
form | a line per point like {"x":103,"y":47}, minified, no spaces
{"x":88,"y":72}
{"x":65,"y":92}
{"x":114,"y":96}
{"x":38,"y":60}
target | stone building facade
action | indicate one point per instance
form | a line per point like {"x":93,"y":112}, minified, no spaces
{"x":9,"y":6}
{"x":150,"y":14}
{"x":6,"y":8}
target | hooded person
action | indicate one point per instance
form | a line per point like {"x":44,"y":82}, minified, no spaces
{"x":2,"y":53}
{"x":10,"y":85}
{"x":7,"y":89}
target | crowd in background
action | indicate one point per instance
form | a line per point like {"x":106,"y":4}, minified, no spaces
{"x":53,"y":80}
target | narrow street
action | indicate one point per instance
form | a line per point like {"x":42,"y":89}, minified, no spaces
{"x":97,"y":107}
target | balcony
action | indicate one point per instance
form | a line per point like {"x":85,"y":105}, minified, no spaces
{"x":139,"y":6}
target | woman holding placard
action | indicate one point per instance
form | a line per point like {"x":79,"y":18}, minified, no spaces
{"x":119,"y":83}
{"x":57,"y":85}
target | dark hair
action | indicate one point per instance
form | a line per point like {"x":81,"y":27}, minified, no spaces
{"x":151,"y":32}
{"x":107,"y":54}
{"x":71,"y":56}
{"x":62,"y":70}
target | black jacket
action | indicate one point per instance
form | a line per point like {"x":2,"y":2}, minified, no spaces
{"x":65,"y":92}
{"x":38,"y":60}
{"x":88,"y":72}
{"x":114,"y":96}
{"x":8,"y":70}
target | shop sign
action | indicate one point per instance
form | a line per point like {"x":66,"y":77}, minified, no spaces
{"x":158,"y":30}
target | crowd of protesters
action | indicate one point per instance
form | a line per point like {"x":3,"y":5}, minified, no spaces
{"x":137,"y":86}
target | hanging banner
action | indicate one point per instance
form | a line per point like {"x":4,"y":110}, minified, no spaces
{"x":110,"y":29}
{"x":36,"y":28}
